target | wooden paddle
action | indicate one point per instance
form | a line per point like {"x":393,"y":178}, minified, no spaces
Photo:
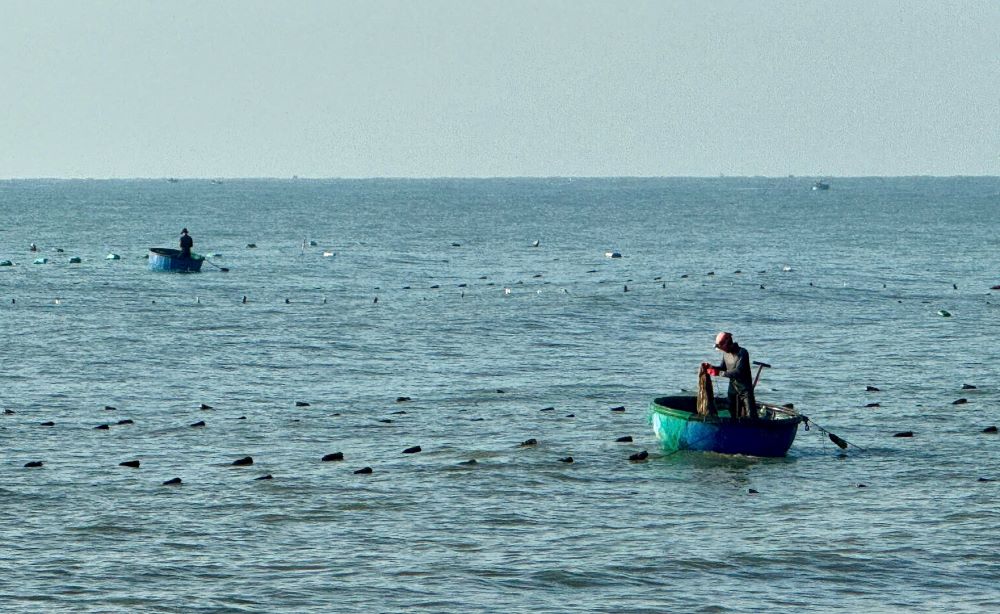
{"x":760,"y":367}
{"x":841,"y":442}
{"x":221,"y":268}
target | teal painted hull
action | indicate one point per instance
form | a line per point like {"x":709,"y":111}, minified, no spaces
{"x":678,"y":427}
{"x":171,"y":261}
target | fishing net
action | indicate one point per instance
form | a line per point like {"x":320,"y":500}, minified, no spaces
{"x":706,"y":396}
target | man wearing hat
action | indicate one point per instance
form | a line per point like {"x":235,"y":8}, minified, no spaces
{"x":736,"y":366}
{"x":186,"y":243}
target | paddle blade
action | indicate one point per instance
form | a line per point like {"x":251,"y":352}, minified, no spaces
{"x":837,"y":440}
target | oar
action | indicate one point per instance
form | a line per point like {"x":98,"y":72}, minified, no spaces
{"x":221,"y":268}
{"x":840,"y":441}
{"x":760,"y":367}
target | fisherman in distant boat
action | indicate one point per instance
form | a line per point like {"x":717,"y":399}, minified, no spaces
{"x":735,"y":366}
{"x":186,"y":243}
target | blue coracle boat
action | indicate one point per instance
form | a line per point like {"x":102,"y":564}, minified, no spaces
{"x":679,"y":427}
{"x":171,"y":260}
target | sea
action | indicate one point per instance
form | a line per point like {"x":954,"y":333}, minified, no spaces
{"x":467,"y":317}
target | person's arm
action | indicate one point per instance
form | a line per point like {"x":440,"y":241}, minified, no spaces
{"x":742,"y":361}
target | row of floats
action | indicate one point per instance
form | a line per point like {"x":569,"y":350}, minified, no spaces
{"x":72,"y":260}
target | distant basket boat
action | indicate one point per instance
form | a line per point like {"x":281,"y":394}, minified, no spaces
{"x":171,"y":260}
{"x":679,"y":427}
{"x":821,"y":185}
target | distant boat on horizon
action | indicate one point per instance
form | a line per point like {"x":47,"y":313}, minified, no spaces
{"x":821,"y":185}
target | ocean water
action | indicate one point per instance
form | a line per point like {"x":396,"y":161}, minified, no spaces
{"x":433,"y":291}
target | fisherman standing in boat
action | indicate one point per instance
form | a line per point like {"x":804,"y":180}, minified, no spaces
{"x":736,"y":366}
{"x":186,"y":243}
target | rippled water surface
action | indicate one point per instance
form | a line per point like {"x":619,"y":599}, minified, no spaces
{"x":433,"y":291}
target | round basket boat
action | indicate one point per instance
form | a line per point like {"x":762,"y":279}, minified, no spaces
{"x":678,"y":426}
{"x":171,"y":261}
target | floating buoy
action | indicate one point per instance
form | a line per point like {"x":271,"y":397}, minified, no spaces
{"x":612,"y":254}
{"x":329,"y":254}
{"x":251,"y":245}
{"x":944,"y":313}
{"x":313,"y":244}
{"x":40,"y":261}
{"x":75,"y":260}
{"x":112,"y":257}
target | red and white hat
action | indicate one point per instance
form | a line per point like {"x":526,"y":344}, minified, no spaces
{"x":723,"y":339}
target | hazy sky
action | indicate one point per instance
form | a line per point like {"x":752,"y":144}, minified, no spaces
{"x":507,"y":88}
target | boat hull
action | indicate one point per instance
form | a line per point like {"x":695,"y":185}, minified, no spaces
{"x":171,"y":261}
{"x":679,"y":427}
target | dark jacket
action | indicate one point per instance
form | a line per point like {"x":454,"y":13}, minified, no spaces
{"x":737,"y":367}
{"x":186,"y":244}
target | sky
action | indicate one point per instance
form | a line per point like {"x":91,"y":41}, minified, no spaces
{"x":483,"y":88}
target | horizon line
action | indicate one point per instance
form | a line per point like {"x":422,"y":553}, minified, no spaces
{"x":482,"y":177}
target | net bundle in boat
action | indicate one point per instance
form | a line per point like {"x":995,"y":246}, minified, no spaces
{"x":706,"y":396}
